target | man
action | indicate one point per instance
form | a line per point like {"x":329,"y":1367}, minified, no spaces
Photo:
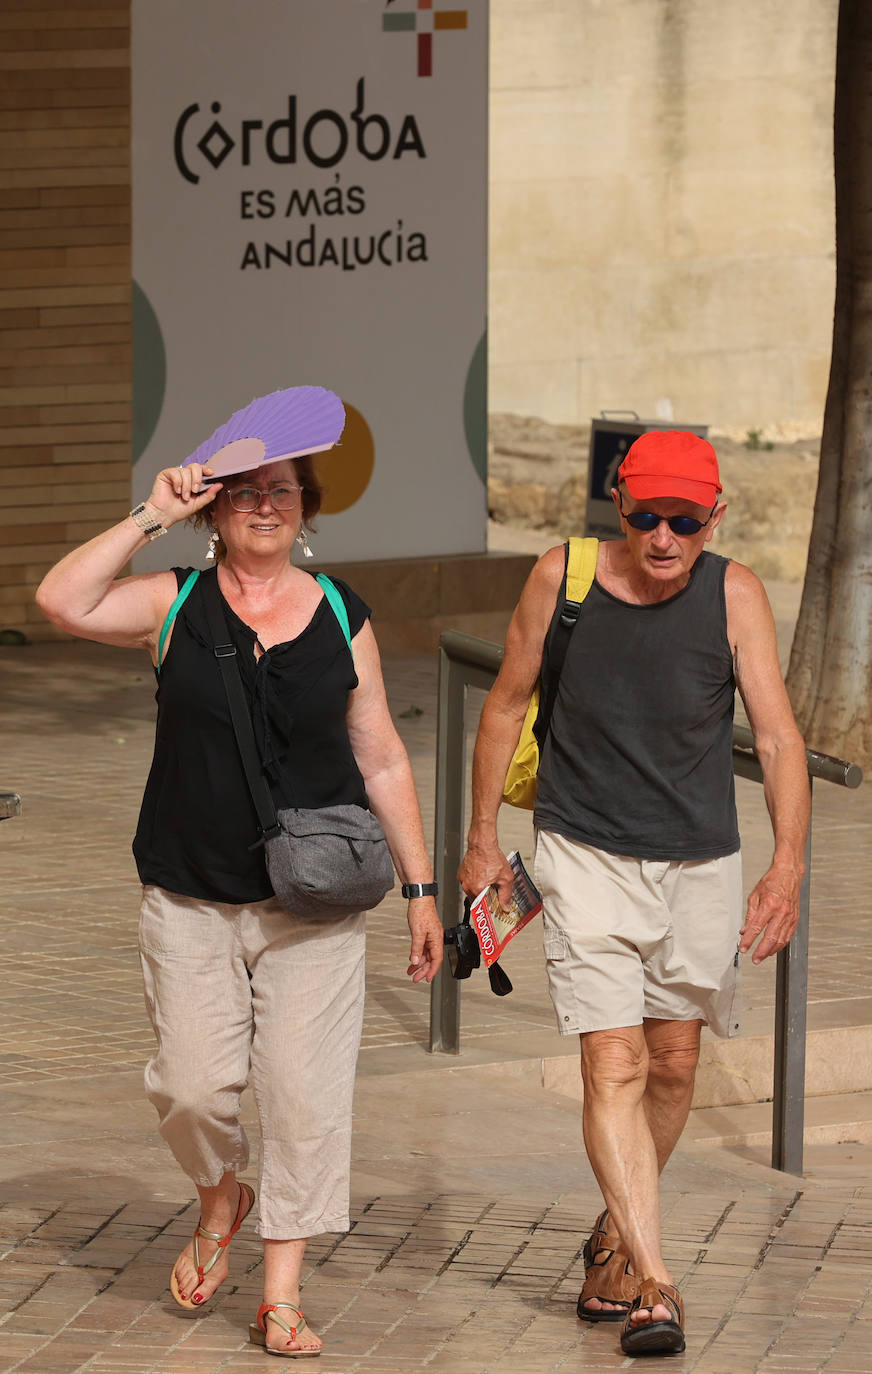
{"x":637,"y":846}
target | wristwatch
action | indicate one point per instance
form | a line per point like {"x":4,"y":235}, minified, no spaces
{"x":420,"y":890}
{"x":151,"y":528}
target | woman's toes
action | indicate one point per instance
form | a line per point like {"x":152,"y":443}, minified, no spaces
{"x":304,"y":1340}
{"x":303,"y":1343}
{"x":187,"y":1279}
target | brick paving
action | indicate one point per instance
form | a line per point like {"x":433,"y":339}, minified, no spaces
{"x":471,"y":1195}
{"x":457,"y":1282}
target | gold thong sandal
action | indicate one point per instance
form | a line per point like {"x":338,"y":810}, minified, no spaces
{"x":246,"y":1202}
{"x":269,"y":1311}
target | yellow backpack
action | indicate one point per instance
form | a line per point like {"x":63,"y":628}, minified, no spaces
{"x":520,"y":785}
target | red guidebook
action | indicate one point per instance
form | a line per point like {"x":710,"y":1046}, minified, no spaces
{"x":494,"y":925}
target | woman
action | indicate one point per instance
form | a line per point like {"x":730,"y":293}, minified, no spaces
{"x":235,"y":986}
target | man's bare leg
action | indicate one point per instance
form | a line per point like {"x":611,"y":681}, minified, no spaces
{"x":620,"y":1144}
{"x":673,"y":1053}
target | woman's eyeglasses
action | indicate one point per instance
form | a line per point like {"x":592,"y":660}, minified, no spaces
{"x":285,"y":497}
{"x":647,"y":520}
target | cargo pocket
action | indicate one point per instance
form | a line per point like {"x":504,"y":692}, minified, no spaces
{"x":559,"y":970}
{"x":555,"y":945}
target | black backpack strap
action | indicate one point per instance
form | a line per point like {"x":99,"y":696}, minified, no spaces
{"x":225,"y":652}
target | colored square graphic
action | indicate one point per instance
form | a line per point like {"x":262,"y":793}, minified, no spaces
{"x":424,"y":22}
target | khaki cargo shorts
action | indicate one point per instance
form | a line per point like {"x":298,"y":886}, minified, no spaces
{"x":627,"y":939}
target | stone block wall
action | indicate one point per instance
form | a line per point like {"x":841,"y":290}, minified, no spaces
{"x":662,"y":210}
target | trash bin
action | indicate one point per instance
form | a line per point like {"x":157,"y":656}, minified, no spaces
{"x":609,"y":441}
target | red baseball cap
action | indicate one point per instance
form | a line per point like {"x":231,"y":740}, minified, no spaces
{"x":671,"y":462}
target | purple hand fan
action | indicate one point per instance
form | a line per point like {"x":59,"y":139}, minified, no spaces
{"x":285,"y":424}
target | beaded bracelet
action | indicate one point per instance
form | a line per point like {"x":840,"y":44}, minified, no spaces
{"x":151,"y":528}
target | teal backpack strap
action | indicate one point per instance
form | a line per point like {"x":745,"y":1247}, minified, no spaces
{"x":173,"y":612}
{"x":334,"y":597}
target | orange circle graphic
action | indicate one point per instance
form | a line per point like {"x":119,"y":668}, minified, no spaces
{"x":346,"y":470}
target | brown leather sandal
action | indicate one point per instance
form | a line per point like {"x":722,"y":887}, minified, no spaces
{"x":599,"y":1239}
{"x":653,"y":1338}
{"x":610,"y":1279}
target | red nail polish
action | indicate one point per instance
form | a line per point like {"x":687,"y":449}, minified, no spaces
{"x":198,"y":1297}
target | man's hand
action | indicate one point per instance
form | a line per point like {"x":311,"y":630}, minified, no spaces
{"x":773,"y":912}
{"x":483,"y":864}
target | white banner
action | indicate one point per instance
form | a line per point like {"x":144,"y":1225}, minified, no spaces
{"x":309,"y":207}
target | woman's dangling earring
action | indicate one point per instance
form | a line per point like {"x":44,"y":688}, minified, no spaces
{"x":304,"y":544}
{"x":210,"y":547}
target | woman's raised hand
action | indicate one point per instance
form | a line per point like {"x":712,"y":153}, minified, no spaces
{"x":179,"y":492}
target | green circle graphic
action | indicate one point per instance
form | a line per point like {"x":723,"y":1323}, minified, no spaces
{"x":475,"y":408}
{"x":149,"y":371}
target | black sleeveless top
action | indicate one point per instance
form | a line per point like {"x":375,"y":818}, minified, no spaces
{"x":639,"y":757}
{"x":198,"y":821}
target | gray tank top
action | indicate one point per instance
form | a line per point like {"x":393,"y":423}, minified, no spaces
{"x":638,"y":760}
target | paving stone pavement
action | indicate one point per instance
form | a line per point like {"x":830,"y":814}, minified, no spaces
{"x":471,"y":1195}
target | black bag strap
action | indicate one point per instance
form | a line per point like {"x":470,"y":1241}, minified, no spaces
{"x":225,"y":652}
{"x":556,"y":657}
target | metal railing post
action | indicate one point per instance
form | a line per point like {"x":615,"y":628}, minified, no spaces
{"x":450,"y":737}
{"x":464,"y":661}
{"x":791,"y":1002}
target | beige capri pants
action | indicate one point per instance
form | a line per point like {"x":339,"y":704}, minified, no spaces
{"x":250,"y":992}
{"x":628,"y":939}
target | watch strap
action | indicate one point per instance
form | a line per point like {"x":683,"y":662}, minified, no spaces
{"x":410,"y":890}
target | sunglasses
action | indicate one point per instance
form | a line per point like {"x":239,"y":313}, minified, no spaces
{"x":647,"y":520}
{"x":284,"y":497}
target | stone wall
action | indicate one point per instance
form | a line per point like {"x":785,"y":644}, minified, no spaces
{"x":538,"y":480}
{"x":662,"y":210}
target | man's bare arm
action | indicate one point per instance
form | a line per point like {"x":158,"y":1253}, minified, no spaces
{"x":773,"y":906}
{"x":500,"y":727}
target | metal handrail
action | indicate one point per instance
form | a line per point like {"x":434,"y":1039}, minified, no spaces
{"x":465,"y":661}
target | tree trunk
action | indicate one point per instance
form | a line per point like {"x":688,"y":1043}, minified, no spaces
{"x":830,"y":673}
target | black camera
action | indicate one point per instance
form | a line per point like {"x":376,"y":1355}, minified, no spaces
{"x":464,"y":955}
{"x":462,"y":947}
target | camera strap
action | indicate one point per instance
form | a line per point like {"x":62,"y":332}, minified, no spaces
{"x":501,"y":983}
